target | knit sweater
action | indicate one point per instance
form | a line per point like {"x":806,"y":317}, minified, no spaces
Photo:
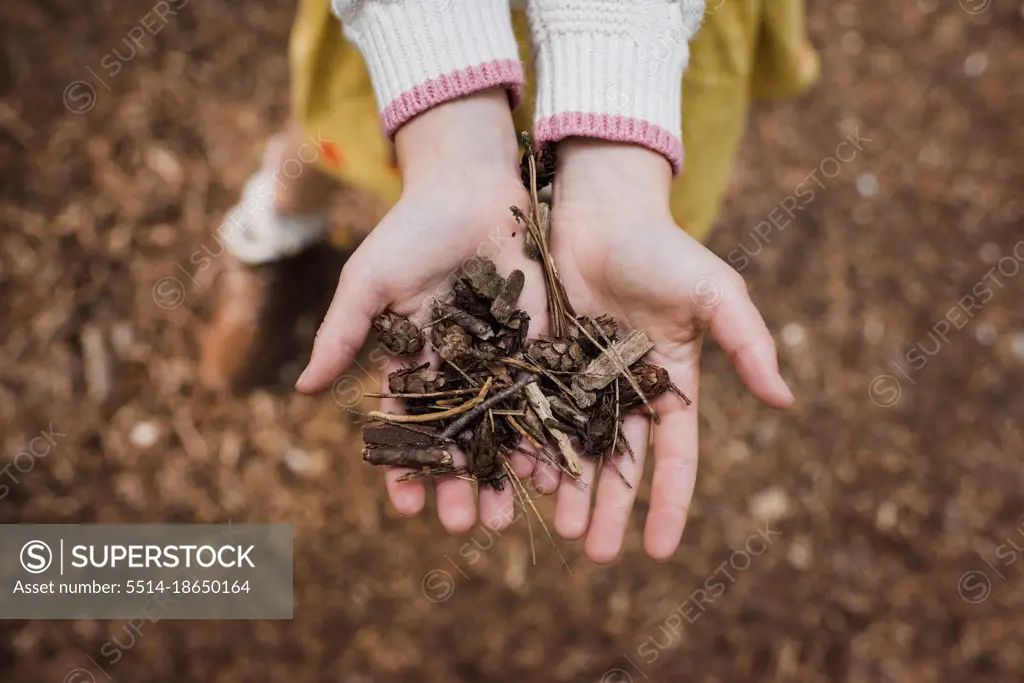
{"x":606,"y":69}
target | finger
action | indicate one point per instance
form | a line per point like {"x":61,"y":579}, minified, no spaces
{"x":740,"y":330}
{"x":675,"y":465}
{"x":614,"y":501}
{"x":343,"y":331}
{"x":521,"y":463}
{"x":572,"y":511}
{"x":456,"y":499}
{"x":546,"y":475}
{"x":408,"y":497}
{"x":497,"y":508}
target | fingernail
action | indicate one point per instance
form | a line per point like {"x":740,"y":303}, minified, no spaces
{"x":298,"y":383}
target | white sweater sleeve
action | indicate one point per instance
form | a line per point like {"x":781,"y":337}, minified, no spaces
{"x":421,"y":53}
{"x":613,"y":70}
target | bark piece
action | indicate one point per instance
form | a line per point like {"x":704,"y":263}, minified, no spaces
{"x":512,"y":337}
{"x":377,"y":433}
{"x":467,"y":299}
{"x":482,"y":277}
{"x":505,"y":303}
{"x":605,"y":368}
{"x":539,"y":403}
{"x":470,"y":323}
{"x":405,"y":456}
{"x":567,"y":412}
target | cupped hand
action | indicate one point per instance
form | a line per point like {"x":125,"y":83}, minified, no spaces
{"x":460,"y":174}
{"x":618,"y":251}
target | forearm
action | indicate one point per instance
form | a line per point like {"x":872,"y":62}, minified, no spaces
{"x":421,"y":54}
{"x":612,"y":70}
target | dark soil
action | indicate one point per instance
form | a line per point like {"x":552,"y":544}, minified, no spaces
{"x":898,"y":472}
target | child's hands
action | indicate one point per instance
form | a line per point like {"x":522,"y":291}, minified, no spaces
{"x":459,"y":164}
{"x":619,"y":251}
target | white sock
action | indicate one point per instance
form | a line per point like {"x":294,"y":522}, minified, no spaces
{"x":255,"y":232}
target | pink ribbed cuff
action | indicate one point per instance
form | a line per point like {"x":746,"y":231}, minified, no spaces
{"x":504,"y":72}
{"x":611,"y":127}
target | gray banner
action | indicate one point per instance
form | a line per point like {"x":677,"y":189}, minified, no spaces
{"x":145,"y":571}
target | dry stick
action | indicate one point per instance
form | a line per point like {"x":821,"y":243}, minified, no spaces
{"x":443,"y":415}
{"x":619,"y":472}
{"x":559,"y":307}
{"x":539,"y":518}
{"x":516,"y":484}
{"x":438,"y":320}
{"x":624,"y":445}
{"x":515,"y":362}
{"x":615,"y":434}
{"x":462,"y":372}
{"x":406,"y":427}
{"x":453,"y":429}
{"x":549,"y":459}
{"x":523,"y":433}
{"x":540,"y":405}
{"x":429,"y":394}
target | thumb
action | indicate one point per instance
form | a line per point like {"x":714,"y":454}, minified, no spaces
{"x":343,"y":331}
{"x":739,"y":329}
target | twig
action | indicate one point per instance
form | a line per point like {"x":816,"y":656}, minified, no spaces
{"x":443,"y":415}
{"x":482,"y":405}
{"x":516,"y":485}
{"x":540,"y":405}
{"x":532,"y":367}
{"x":615,"y":434}
{"x":679,"y":392}
{"x":522,"y":432}
{"x":429,"y":394}
{"x":539,"y":518}
{"x":619,"y":472}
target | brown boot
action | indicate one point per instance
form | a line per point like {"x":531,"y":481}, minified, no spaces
{"x":252,"y":331}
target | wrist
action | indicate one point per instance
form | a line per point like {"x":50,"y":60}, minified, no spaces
{"x":466,"y":140}
{"x":605,"y":175}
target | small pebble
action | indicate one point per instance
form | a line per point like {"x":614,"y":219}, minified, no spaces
{"x":989,"y":253}
{"x":794,"y":336}
{"x":144,"y":435}
{"x":874,"y":330}
{"x":800,"y":555}
{"x":770,"y":505}
{"x":867,"y":185}
{"x":297,"y":461}
{"x":886,"y":516}
{"x":975,"y":64}
{"x":986,"y":334}
{"x":737,"y":450}
{"x":766,"y":431}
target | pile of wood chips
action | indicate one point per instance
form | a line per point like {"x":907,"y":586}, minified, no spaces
{"x":493,"y":391}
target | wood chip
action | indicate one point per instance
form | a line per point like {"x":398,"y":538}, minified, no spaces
{"x":600,"y":372}
{"x":539,"y":402}
{"x":505,"y":303}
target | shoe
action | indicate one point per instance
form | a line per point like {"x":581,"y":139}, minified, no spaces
{"x":252,"y":331}
{"x":275,"y":269}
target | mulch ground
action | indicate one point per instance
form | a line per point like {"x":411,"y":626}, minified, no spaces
{"x":897,"y":475}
